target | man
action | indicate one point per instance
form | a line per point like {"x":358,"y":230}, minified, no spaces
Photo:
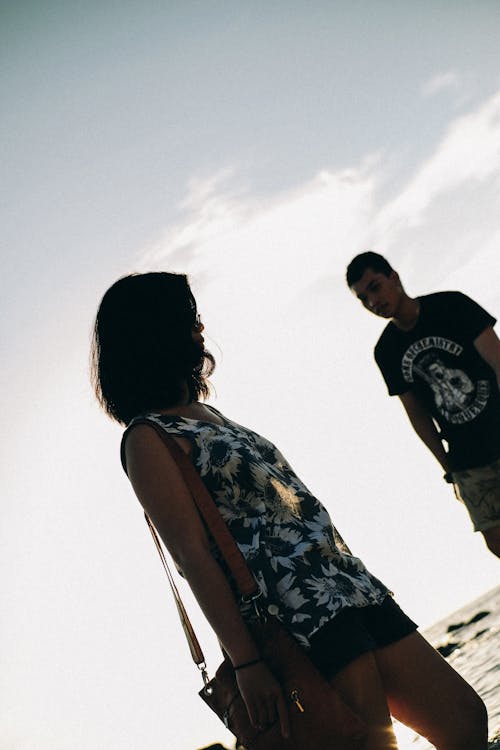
{"x":440,"y":355}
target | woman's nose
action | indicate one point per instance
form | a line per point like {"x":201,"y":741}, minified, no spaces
{"x":198,"y":325}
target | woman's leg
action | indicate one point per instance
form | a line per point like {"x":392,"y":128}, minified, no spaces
{"x":360,"y":685}
{"x":426,"y":694}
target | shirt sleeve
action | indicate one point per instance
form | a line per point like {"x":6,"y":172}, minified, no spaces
{"x":471,"y":318}
{"x":391,"y":370}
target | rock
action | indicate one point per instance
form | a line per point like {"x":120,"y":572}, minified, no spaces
{"x":447,"y":648}
{"x":455,"y":626}
{"x":478,"y":616}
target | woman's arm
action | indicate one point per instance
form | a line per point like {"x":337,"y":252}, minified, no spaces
{"x":161,"y":490}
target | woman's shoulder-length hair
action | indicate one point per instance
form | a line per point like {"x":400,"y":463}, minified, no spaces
{"x":143,"y":356}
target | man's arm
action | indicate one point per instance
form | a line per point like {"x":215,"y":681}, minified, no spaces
{"x":488,"y":347}
{"x":424,"y":426}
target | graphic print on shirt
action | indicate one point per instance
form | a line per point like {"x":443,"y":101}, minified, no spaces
{"x":457,"y":398}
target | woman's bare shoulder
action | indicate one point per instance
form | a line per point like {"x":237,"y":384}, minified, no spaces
{"x":143,"y":443}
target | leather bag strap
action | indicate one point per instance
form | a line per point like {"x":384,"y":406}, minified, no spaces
{"x":247,"y":586}
{"x":228,"y":548}
{"x":194,"y":645}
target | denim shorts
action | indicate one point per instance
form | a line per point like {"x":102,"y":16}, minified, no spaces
{"x":356,"y":630}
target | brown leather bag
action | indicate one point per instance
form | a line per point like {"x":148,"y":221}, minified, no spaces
{"x":319,"y":717}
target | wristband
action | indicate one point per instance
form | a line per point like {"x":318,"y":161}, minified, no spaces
{"x":247,"y":664}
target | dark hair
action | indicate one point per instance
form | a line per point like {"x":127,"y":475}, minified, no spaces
{"x":360,"y":263}
{"x":143,"y":354}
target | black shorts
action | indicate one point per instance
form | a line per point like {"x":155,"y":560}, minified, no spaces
{"x":356,"y":630}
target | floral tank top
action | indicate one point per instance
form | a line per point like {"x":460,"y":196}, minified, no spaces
{"x":302,"y":566}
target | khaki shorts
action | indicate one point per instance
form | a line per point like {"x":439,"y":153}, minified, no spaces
{"x":479,"y":490}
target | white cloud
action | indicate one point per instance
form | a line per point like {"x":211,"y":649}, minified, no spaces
{"x":296,"y":237}
{"x":468,"y":153}
{"x":440,"y":82}
{"x":302,"y":236}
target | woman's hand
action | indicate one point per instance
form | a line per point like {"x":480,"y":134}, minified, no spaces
{"x":263,"y":697}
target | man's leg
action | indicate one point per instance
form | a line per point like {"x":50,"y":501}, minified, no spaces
{"x":492,"y":539}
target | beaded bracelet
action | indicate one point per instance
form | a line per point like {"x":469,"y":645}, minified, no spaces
{"x":247,"y":664}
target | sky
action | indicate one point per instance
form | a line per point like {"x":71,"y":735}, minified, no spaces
{"x":257,"y":146}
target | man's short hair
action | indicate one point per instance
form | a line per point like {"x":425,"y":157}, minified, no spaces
{"x":360,"y":263}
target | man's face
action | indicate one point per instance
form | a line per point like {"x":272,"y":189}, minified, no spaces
{"x":380,"y":294}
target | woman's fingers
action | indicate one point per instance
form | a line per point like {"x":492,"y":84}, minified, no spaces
{"x":271,"y":711}
{"x":263,"y":698}
{"x":283,"y":715}
{"x":255,"y":715}
{"x":262,"y":714}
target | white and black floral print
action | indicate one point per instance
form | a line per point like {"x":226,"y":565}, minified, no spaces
{"x":284,"y":533}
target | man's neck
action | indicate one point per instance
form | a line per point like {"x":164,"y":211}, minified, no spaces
{"x":407,"y":314}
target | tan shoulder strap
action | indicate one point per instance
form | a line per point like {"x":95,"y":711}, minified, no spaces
{"x":228,"y":548}
{"x":194,"y":645}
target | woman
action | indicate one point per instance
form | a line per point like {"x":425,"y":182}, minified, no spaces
{"x":150,"y":366}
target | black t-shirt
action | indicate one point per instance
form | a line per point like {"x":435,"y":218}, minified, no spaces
{"x":437,"y":360}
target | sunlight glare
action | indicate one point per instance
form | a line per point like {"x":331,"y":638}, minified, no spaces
{"x":405,"y":736}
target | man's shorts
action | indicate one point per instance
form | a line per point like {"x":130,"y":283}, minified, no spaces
{"x":356,"y":630}
{"x":479,"y":490}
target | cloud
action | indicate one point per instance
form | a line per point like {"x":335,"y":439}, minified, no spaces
{"x":298,"y":235}
{"x":440,"y":82}
{"x":301,"y":236}
{"x":209,"y":211}
{"x":469,"y":153}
